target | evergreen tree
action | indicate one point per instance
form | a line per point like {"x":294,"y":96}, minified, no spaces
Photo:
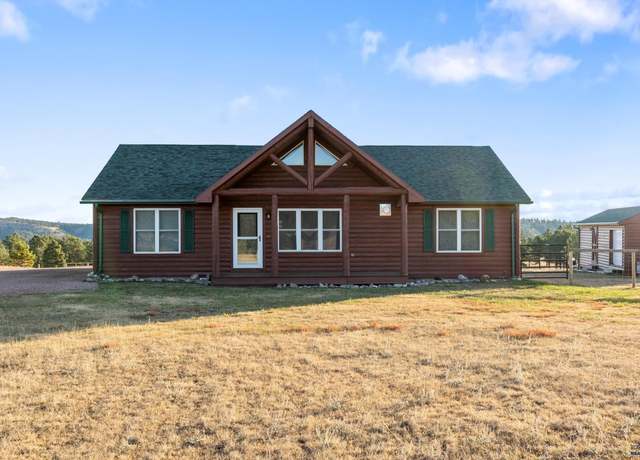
{"x":53,"y":255}
{"x":38,"y":244}
{"x":19,"y":252}
{"x":4,"y":254}
{"x":74,"y":249}
{"x":88,"y":250}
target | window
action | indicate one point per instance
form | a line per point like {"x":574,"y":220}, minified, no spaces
{"x":309,"y":230}
{"x":295,"y":156}
{"x":324,"y":157}
{"x":156,"y":231}
{"x":459,"y":230}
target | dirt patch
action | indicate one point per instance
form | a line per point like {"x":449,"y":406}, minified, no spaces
{"x":43,"y":281}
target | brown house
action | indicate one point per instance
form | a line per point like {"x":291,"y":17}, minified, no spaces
{"x":603,"y":236}
{"x":310,"y":206}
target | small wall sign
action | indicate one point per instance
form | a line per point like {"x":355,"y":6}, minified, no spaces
{"x":385,"y":209}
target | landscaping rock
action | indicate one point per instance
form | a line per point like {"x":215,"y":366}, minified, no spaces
{"x":485,"y":278}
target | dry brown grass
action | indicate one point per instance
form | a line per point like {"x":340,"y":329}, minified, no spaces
{"x":399,"y":375}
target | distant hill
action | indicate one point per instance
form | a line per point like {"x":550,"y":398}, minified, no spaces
{"x":28,"y":227}
{"x":530,"y":228}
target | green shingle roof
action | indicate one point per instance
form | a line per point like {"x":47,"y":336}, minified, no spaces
{"x":178,"y":173}
{"x":612,"y":216}
{"x":452,"y":174}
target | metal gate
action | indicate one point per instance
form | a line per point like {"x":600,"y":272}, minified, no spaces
{"x":544,"y":261}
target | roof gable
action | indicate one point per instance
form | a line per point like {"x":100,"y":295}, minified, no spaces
{"x":612,"y":216}
{"x":188,"y":173}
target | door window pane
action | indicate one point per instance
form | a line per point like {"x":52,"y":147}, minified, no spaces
{"x":169,"y":241}
{"x":288,"y":240}
{"x":145,"y":220}
{"x":470,"y":240}
{"x":247,"y":224}
{"x":447,"y":220}
{"x":447,"y":240}
{"x":309,"y":240}
{"x":168,"y":220}
{"x":331,"y":240}
{"x":470,"y":220}
{"x":145,"y":241}
{"x":331,"y":220}
{"x":248,"y":251}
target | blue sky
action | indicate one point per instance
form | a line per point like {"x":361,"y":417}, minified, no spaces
{"x":552,"y":85}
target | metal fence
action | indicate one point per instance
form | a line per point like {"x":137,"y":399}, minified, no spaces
{"x":544,"y":261}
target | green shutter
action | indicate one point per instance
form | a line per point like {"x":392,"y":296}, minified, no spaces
{"x":428,"y":231}
{"x":489,"y":230}
{"x":188,"y":231}
{"x":125,"y":232}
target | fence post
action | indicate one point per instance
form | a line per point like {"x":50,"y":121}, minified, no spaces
{"x":570,"y":266}
{"x":634,"y":268}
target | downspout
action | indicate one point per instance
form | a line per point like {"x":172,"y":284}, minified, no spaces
{"x":513,"y":244}
{"x":100,"y":241}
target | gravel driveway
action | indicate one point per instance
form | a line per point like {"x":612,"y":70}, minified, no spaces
{"x":45,"y":280}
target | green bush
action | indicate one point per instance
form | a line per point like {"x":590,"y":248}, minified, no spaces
{"x":53,"y":255}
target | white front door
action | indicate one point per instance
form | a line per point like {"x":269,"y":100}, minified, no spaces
{"x":247,"y":238}
{"x":617,"y":245}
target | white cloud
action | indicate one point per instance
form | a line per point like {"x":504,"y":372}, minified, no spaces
{"x":84,"y":9}
{"x":555,"y":19}
{"x":12,"y":22}
{"x":239,"y":105}
{"x":510,"y":57}
{"x":517,"y":53}
{"x":546,"y":193}
{"x":370,"y":41}
{"x":578,"y":204}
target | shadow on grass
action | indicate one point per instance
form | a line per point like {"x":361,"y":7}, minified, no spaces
{"x":137,"y":303}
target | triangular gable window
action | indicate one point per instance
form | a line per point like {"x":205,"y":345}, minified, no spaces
{"x":324,"y":157}
{"x":295,"y":157}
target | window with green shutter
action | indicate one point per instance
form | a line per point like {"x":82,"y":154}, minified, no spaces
{"x":125,"y":231}
{"x":428,"y":230}
{"x":489,"y":230}
{"x":188,"y":230}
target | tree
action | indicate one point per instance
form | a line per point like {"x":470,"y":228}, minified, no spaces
{"x":19,"y":252}
{"x":88,"y":249}
{"x":38,"y":244}
{"x":4,"y":254}
{"x":74,"y":249}
{"x":53,"y":255}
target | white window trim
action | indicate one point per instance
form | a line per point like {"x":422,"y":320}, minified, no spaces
{"x":156,"y":230}
{"x":458,"y":231}
{"x":321,"y":229}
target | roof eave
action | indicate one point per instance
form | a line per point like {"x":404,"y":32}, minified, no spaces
{"x":131,"y":201}
{"x":598,"y":223}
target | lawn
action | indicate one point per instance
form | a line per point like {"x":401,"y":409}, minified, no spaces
{"x":498,"y":370}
